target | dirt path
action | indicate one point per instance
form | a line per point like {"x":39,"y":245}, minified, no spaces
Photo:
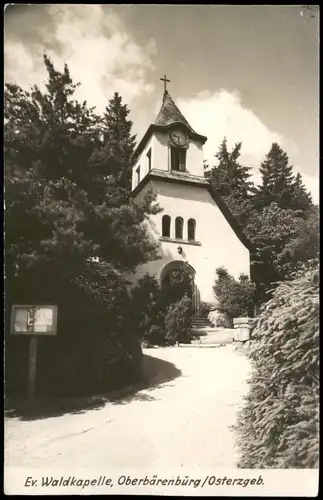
{"x":182,"y":422}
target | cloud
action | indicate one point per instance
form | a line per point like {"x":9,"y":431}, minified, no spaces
{"x":94,"y":43}
{"x":222,"y":114}
{"x":104,"y":57}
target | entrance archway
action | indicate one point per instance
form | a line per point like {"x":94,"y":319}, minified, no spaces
{"x":174,"y":269}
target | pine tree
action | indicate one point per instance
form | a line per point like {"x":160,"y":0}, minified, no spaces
{"x":52,"y":143}
{"x":301,"y":198}
{"x":119,"y":140}
{"x":231,"y":181}
{"x":277,"y":179}
{"x":279,"y":184}
{"x":229,"y":175}
{"x":62,"y":210}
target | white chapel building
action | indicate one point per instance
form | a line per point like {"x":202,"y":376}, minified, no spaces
{"x":195,"y":229}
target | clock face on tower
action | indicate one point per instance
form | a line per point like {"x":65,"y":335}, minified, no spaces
{"x":178,"y":137}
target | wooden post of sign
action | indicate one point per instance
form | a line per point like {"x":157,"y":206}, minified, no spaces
{"x":32,"y":366}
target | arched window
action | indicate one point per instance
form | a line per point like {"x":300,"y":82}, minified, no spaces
{"x":166,"y":225}
{"x":179,"y":228}
{"x":191,"y":224}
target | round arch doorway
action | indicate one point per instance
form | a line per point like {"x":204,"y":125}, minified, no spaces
{"x":179,"y":275}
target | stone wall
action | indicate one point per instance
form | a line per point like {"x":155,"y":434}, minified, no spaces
{"x":242,"y":328}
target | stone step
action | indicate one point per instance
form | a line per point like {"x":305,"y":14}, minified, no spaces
{"x":201,"y":326}
{"x":200,"y":322}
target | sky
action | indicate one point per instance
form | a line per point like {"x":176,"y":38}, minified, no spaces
{"x":249,"y":73}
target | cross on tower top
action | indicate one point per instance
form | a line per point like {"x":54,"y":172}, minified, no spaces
{"x":165,"y":82}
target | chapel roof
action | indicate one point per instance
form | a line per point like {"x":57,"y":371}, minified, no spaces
{"x":170,"y":114}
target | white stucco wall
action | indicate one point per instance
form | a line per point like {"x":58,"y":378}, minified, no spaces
{"x":161,"y":151}
{"x":219,"y":244}
{"x":142,"y":161}
{"x":194,"y":159}
{"x":161,"y":157}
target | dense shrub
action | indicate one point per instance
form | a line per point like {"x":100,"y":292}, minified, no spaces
{"x":302,"y":267}
{"x":149,"y":305}
{"x":235,"y":297}
{"x":95,"y":349}
{"x":106,"y":363}
{"x":161,"y":314}
{"x":177,"y":321}
{"x":278,"y":426}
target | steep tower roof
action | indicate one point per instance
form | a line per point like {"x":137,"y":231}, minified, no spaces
{"x":169,"y":114}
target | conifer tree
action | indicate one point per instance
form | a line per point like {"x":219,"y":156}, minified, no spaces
{"x":118,"y":139}
{"x":278,"y":217}
{"x":279,"y":184}
{"x":277,"y":179}
{"x":229,"y":175}
{"x":232,"y":181}
{"x":52,"y":145}
{"x":64,"y":207}
{"x":301,"y":198}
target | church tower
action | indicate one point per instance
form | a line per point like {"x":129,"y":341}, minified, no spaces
{"x":194,"y":230}
{"x":170,"y":145}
